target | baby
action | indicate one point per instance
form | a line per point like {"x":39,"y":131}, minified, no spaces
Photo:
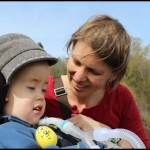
{"x":24,"y":71}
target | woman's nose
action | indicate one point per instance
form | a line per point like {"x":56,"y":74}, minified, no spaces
{"x":80,"y":75}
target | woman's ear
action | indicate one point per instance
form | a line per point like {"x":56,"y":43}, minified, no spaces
{"x":112,"y":81}
{"x":113,"y":77}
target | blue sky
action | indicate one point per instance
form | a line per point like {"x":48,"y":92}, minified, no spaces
{"x":52,"y":23}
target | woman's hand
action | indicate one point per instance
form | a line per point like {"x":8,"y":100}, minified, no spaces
{"x":124,"y":144}
{"x":86,"y":123}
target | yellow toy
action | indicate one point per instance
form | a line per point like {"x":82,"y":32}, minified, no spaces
{"x":45,"y":136}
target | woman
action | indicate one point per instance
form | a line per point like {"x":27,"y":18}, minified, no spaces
{"x":100,"y":51}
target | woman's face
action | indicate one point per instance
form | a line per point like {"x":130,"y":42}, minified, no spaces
{"x":87,"y":73}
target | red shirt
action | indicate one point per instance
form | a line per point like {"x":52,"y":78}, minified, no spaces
{"x":118,"y":109}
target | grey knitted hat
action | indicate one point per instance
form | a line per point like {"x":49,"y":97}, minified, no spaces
{"x":17,"y":50}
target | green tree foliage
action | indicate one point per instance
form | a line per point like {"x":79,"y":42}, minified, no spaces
{"x":137,"y":78}
{"x":59,"y":68}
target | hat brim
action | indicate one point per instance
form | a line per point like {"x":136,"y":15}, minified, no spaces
{"x":26,"y":58}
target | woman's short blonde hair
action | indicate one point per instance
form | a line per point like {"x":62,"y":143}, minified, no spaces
{"x":109,"y":41}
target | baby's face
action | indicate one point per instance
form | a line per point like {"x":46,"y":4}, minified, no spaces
{"x":26,"y":92}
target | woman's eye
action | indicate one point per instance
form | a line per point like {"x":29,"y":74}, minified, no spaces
{"x":76,"y":62}
{"x":31,"y":88}
{"x":93,"y":71}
